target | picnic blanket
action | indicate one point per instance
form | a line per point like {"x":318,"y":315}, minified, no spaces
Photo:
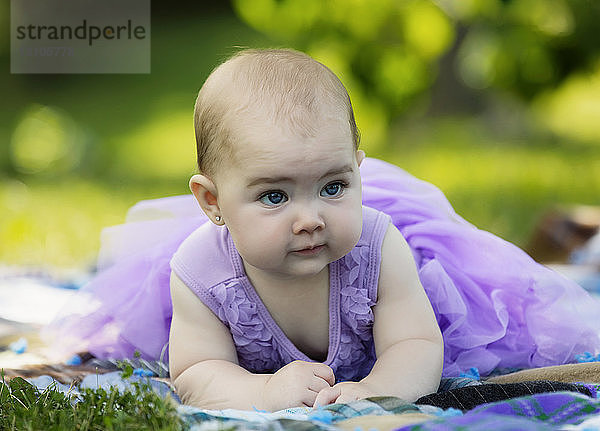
{"x":545,"y":411}
{"x":461,"y":402}
{"x":560,"y":410}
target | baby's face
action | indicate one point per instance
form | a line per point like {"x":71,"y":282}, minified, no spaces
{"x":291,"y":203}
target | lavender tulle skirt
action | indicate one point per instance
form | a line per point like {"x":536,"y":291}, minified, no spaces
{"x":497,"y":308}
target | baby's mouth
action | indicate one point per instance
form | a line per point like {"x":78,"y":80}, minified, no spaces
{"x":310,"y":250}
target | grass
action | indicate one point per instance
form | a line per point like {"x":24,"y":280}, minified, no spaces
{"x":129,"y":122}
{"x":139,"y":145}
{"x":500,"y":187}
{"x":58,"y":223}
{"x":24,"y":407}
{"x":503,"y":188}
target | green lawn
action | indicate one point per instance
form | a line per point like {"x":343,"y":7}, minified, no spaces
{"x":502,"y":188}
{"x":505,"y":188}
{"x":138,"y":144}
{"x":134,"y":134}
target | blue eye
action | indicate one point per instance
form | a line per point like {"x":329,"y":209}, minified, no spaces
{"x":273,"y":198}
{"x":332,"y":190}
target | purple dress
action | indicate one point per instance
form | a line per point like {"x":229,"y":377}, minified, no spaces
{"x":209,"y":264}
{"x":496,"y":307}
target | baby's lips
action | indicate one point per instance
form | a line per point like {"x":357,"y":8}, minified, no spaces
{"x":309,"y":247}
{"x":309,"y":250}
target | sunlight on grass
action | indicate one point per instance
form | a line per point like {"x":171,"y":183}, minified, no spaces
{"x":59,"y":223}
{"x":505,"y":189}
{"x":573,"y":109}
{"x":500,"y":188}
{"x":141,"y":152}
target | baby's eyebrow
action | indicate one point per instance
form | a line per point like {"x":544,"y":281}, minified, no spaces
{"x":281,"y":179}
{"x":338,"y":171}
{"x":268,"y":180}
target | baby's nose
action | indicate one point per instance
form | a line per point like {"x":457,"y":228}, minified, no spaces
{"x":308,"y":220}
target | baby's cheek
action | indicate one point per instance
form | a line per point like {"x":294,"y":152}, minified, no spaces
{"x":355,"y":231}
{"x":261,"y":247}
{"x":348,"y":231}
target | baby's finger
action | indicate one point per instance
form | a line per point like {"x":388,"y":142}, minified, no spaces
{"x":346,"y":398}
{"x":309,"y":398}
{"x":317,"y":384}
{"x":327,"y":396}
{"x":325,"y":372}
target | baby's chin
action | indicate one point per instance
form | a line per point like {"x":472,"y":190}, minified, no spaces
{"x":293,"y":267}
{"x":349,"y":244}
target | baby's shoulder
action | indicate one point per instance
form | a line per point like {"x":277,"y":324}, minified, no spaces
{"x":374,"y":226}
{"x":204,"y":256}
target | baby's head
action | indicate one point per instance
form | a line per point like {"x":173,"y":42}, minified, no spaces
{"x":278,"y":159}
{"x":279,"y":88}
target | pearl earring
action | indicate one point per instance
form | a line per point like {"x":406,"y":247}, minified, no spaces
{"x":218,"y":218}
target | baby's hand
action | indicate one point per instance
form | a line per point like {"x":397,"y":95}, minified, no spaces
{"x":343,"y":392}
{"x":297,"y":384}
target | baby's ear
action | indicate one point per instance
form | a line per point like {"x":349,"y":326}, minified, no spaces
{"x":205,"y":192}
{"x":360,"y":156}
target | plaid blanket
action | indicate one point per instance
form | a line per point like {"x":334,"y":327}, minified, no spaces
{"x":547,"y":411}
{"x":542,"y":411}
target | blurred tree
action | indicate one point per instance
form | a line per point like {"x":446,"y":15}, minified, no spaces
{"x":385,"y":53}
{"x":525,"y":46}
{"x":389,"y":52}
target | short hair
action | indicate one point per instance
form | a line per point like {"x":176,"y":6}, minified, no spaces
{"x":290,"y":86}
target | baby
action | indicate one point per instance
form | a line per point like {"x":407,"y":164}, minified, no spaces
{"x":295,"y":294}
{"x":313,"y":274}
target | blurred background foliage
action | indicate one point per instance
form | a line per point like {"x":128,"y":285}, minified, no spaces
{"x":496,"y":102}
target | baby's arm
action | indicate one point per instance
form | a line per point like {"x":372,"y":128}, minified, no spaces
{"x":205,"y":371}
{"x":408,"y":341}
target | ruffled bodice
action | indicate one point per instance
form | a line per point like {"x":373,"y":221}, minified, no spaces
{"x":261,"y":345}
